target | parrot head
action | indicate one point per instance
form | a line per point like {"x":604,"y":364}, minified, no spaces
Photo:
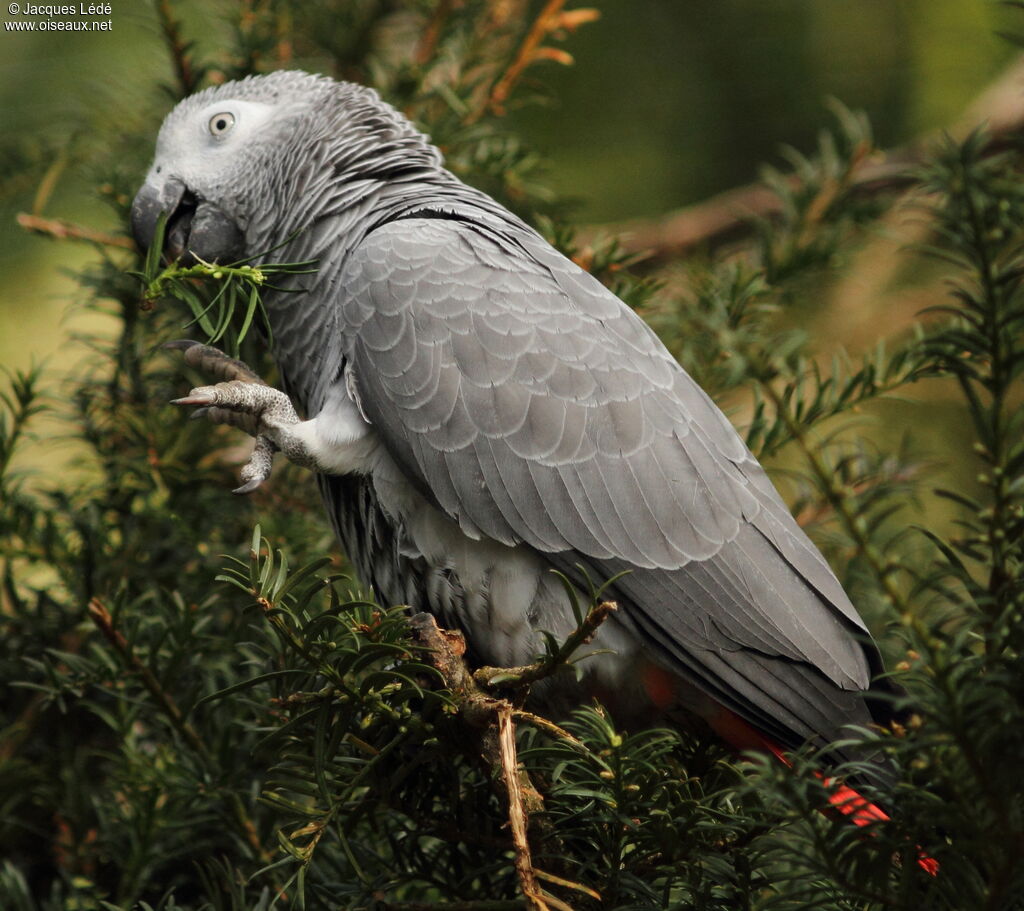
{"x":232,"y":161}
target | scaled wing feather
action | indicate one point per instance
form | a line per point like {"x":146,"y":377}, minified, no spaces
{"x":531,"y":405}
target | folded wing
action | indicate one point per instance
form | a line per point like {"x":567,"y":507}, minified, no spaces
{"x":531,"y":405}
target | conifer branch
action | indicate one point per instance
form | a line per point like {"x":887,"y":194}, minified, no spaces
{"x":100,"y":616}
{"x":836,"y":496}
{"x":551,"y":19}
{"x":187,"y":75}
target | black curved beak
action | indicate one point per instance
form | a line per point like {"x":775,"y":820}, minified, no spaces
{"x":148,"y":205}
{"x":195,"y":227}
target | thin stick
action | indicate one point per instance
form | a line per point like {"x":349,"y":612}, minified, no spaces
{"x":548,"y":727}
{"x":66,"y":230}
{"x":516,"y":812}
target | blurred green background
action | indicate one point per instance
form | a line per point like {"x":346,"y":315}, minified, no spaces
{"x":669,"y":102}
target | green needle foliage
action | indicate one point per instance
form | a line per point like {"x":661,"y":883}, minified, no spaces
{"x":200,"y":717}
{"x":215,"y":294}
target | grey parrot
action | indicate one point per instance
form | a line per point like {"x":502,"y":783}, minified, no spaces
{"x":480,"y":411}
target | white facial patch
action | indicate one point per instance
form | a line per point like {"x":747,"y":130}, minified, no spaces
{"x":196,"y":146}
{"x":243,"y":119}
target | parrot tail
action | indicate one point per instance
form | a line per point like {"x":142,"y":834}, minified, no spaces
{"x":843,"y":799}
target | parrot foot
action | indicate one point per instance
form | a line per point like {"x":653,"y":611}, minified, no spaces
{"x":245,"y":401}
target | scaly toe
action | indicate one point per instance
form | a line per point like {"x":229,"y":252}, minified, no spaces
{"x":204,"y":396}
{"x":213,"y":361}
{"x":257,"y":469}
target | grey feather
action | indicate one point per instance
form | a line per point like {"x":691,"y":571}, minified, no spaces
{"x":624,"y":463}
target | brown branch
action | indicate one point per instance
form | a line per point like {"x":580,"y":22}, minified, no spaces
{"x":568,"y":884}
{"x":105,"y":624}
{"x":552,"y":18}
{"x":445,"y":649}
{"x":531,"y":673}
{"x":548,"y":727}
{"x":49,"y":182}
{"x":516,"y":809}
{"x":730,"y":216}
{"x":186,"y":74}
{"x":432,"y":33}
{"x":66,"y":230}
{"x":495,"y":720}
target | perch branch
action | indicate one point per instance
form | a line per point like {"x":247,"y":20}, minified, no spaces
{"x":516,"y":809}
{"x":495,"y":719}
{"x":531,"y":673}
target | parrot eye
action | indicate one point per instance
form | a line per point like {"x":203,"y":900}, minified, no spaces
{"x":221,"y":123}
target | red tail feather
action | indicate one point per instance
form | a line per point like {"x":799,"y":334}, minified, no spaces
{"x":737,"y":733}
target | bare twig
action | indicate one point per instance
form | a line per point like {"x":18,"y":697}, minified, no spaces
{"x":516,"y":810}
{"x":548,"y":727}
{"x":531,"y":673}
{"x":568,"y":884}
{"x":66,"y":230}
{"x":730,"y":216}
{"x":495,"y":719}
{"x":49,"y":182}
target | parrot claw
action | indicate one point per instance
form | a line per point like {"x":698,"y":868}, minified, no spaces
{"x":196,"y":397}
{"x":257,"y":469}
{"x":243,"y":400}
{"x":180,"y":344}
